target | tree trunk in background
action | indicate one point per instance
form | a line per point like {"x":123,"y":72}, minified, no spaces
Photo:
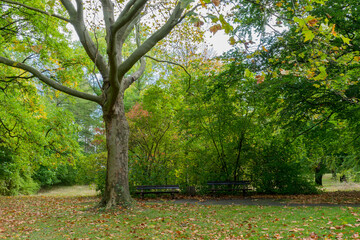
{"x":117,"y":138}
{"x":319,"y":174}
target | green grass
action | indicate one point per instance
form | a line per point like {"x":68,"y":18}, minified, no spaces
{"x":69,"y":213}
{"x":69,"y":191}
{"x":40,"y":217}
{"x":331,"y":185}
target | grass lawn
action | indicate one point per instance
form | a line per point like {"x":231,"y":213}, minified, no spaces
{"x":331,"y":185}
{"x":45,"y":217}
{"x":69,"y":213}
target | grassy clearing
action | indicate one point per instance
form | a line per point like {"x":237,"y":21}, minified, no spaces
{"x":69,"y":191}
{"x":40,"y":217}
{"x":331,"y":185}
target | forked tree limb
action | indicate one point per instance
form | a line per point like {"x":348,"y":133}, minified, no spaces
{"x":50,"y":82}
{"x":77,"y":20}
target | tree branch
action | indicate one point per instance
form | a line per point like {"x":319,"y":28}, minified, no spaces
{"x":77,"y":20}
{"x":173,"y":63}
{"x":35,"y":9}
{"x":128,"y":13}
{"x":315,"y":125}
{"x":130,"y":80}
{"x":151,"y":41}
{"x":50,"y":82}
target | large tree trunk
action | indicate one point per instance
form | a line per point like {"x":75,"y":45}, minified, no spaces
{"x":117,"y":137}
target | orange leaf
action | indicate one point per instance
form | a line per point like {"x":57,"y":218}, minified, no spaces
{"x":216,"y":2}
{"x":333,"y":30}
{"x":215,"y":28}
{"x":259,"y":79}
{"x":313,"y":22}
{"x":198,"y":23}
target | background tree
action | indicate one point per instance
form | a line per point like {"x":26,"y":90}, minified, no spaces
{"x":39,"y":31}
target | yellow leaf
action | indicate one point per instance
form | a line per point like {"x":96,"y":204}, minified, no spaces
{"x":232,"y":41}
{"x":333,"y":30}
{"x":264,"y":49}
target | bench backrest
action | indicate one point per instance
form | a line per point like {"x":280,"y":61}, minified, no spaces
{"x":229,"y":182}
{"x":149,"y":187}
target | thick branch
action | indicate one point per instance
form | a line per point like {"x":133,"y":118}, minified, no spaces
{"x":151,"y":42}
{"x":116,"y":38}
{"x":124,"y":33}
{"x":77,"y":20}
{"x":108,"y":12}
{"x":69,"y":7}
{"x":128,"y":14}
{"x":50,"y":82}
{"x":36,"y":10}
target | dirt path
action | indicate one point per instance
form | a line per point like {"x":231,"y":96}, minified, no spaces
{"x":329,"y":199}
{"x":259,"y":202}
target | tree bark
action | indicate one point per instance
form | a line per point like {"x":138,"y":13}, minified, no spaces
{"x":117,"y":136}
{"x":319,"y":174}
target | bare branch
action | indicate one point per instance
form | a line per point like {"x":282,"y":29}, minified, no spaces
{"x":49,"y":81}
{"x":35,"y":9}
{"x":173,"y":63}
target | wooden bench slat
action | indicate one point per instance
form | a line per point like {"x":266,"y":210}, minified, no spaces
{"x":230,"y":186}
{"x":157,"y":189}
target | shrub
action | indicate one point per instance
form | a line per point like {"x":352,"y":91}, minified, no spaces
{"x":276,"y":170}
{"x":14,"y":181}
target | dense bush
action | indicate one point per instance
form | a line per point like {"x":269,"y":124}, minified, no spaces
{"x":277,"y":169}
{"x":65,"y":174}
{"x":14,"y":180}
{"x":92,"y":169}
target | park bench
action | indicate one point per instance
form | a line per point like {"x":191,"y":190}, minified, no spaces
{"x":230,"y":186}
{"x":158,"y":189}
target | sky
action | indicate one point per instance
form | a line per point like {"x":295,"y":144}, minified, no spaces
{"x":219,"y":42}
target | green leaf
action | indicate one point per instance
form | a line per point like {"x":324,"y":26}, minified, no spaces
{"x":225,"y":25}
{"x":309,"y":35}
{"x":322,"y":75}
{"x":248,"y":73}
{"x":345,"y":39}
{"x":185,"y":3}
{"x":300,"y":21}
